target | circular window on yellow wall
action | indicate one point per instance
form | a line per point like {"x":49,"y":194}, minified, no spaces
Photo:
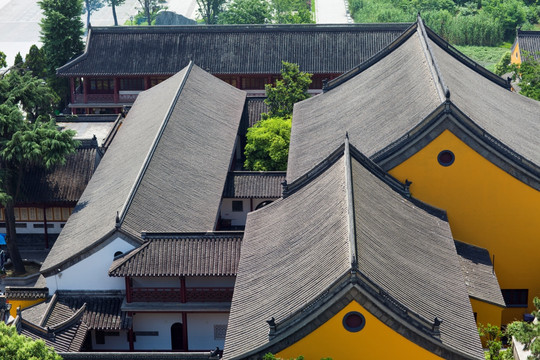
{"x":354,"y":321}
{"x":446,"y":158}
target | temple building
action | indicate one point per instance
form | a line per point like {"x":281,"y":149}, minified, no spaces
{"x":526,"y":42}
{"x":120,"y":62}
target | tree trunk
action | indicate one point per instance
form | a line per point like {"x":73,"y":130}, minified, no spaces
{"x":114,"y":15}
{"x":147,"y":11}
{"x":87,"y":19}
{"x":11,"y":239}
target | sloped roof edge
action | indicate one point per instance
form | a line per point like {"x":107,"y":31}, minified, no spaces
{"x":449,"y":116}
{"x":353,"y":286}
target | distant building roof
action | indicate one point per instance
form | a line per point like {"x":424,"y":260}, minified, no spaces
{"x":182,"y":255}
{"x":61,"y":183}
{"x":166,"y":169}
{"x":479,"y":273}
{"x":529,"y":41}
{"x":297,"y":255}
{"x":229,"y":49}
{"x":385,"y":110}
{"x":254,"y":184}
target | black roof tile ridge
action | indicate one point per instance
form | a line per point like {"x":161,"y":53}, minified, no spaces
{"x":466,"y":61}
{"x":255,"y":172}
{"x":371,"y":61}
{"x":395,"y":184}
{"x":49,"y":309}
{"x":79,"y":58}
{"x":117,"y":263}
{"x":68,"y":322}
{"x":312,"y":174}
{"x":528,"y":32}
{"x":436,"y":74}
{"x":188,"y":235}
{"x":249,"y":28}
{"x":142,"y":171}
{"x":351,"y":223}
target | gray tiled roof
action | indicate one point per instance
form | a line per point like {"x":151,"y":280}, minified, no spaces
{"x":12,"y":292}
{"x":70,"y":338}
{"x":479,"y":274}
{"x":294,"y":250}
{"x":254,"y":184}
{"x":166,"y":168}
{"x":197,"y":255}
{"x":62,"y":183}
{"x":391,"y":98}
{"x":529,"y":41}
{"x":245,"y":49}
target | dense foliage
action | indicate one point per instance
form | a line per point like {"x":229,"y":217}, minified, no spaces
{"x":210,"y":10}
{"x":19,"y":347}
{"x":150,"y":8}
{"x":267,"y":147}
{"x":528,"y":73}
{"x":61,"y":32}
{"x":473,"y":22}
{"x":28,"y":137}
{"x":35,"y":62}
{"x":290,"y":89}
{"x":528,"y":333}
{"x":261,"y":12}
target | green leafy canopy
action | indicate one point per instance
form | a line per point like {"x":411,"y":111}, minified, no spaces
{"x":267,"y":145}
{"x":20,"y":347}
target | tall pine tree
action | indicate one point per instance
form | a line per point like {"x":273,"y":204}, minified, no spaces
{"x":61,"y":33}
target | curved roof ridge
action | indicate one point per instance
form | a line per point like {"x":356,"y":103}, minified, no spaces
{"x":466,"y":60}
{"x":442,"y":89}
{"x":350,"y":204}
{"x":371,"y":61}
{"x":155,"y":142}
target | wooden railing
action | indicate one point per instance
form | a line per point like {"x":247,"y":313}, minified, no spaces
{"x":193,"y":294}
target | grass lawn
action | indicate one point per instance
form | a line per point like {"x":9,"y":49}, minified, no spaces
{"x":484,"y":55}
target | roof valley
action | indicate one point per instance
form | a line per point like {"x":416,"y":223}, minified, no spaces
{"x":351,"y":223}
{"x":142,"y":171}
{"x":436,"y":74}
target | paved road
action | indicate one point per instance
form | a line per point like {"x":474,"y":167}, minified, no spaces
{"x":19,"y":21}
{"x":331,"y":12}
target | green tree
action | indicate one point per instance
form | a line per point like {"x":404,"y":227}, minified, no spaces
{"x":18,"y":60}
{"x":528,"y":73}
{"x":150,"y":8}
{"x":286,"y":92}
{"x":503,"y":66}
{"x":14,"y":346}
{"x":113,"y":4}
{"x":3,"y":62}
{"x":210,"y":10}
{"x":509,"y":13}
{"x":91,"y":6}
{"x":61,"y":31}
{"x":35,"y":62}
{"x":528,"y":333}
{"x":267,"y":145}
{"x":246,"y":12}
{"x":28,"y":137}
{"x":292,"y":12}
{"x":492,"y":335}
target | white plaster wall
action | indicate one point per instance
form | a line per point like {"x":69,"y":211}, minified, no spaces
{"x":53,"y":228}
{"x":172,"y":282}
{"x":111,"y":342}
{"x":201,"y":330}
{"x":160,"y":322}
{"x":238,"y":218}
{"x":207,"y":281}
{"x":92,"y":273}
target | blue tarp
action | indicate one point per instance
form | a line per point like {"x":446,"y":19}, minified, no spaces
{"x":2,"y":239}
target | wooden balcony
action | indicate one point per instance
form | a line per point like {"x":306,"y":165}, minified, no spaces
{"x":193,"y":294}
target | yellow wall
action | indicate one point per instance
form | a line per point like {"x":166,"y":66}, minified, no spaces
{"x":486,"y":313}
{"x":486,"y":207}
{"x":15,"y":303}
{"x":515,"y":57}
{"x":374,"y":341}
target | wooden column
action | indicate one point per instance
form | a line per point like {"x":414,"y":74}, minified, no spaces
{"x":45,"y":230}
{"x":184,"y":331}
{"x":85,"y":89}
{"x":72,"y":87}
{"x":131,"y":335}
{"x":239,"y":82}
{"x":146,"y":82}
{"x":183,"y":295}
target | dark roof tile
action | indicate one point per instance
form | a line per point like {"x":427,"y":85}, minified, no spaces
{"x":252,"y":184}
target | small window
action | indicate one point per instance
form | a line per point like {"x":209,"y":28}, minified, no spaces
{"x":354,"y":321}
{"x":446,"y":158}
{"x":237,"y":206}
{"x":516,"y":297}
